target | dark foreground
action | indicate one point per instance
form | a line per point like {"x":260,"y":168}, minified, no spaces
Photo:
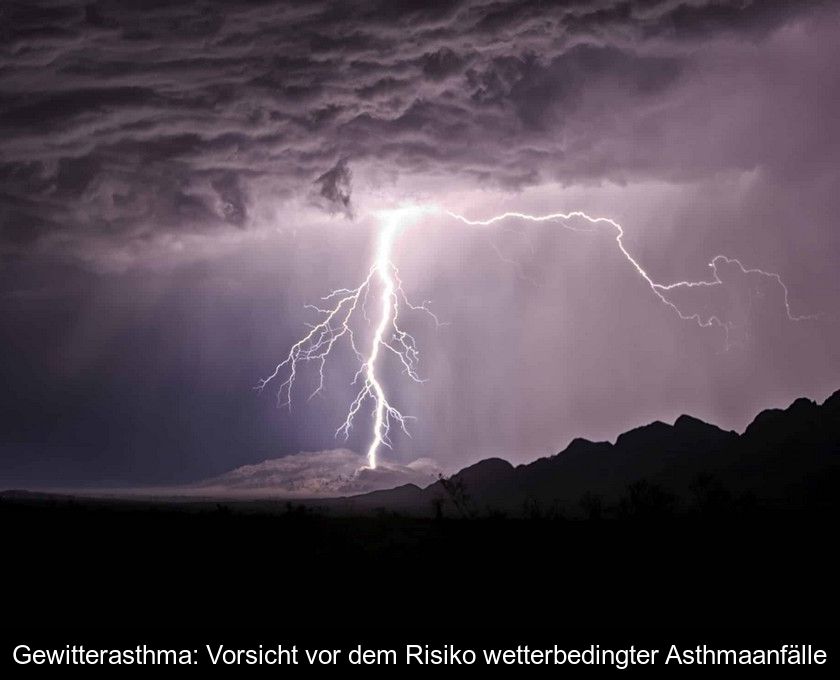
{"x":79,"y":563}
{"x":194,"y":576}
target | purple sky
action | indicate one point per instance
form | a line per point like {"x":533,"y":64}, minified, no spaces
{"x":178,"y":179}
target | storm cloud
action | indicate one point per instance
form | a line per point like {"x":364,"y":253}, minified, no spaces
{"x":335,"y":189}
{"x":131,"y":122}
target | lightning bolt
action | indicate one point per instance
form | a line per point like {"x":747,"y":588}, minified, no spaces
{"x":658,"y":289}
{"x":341,"y":320}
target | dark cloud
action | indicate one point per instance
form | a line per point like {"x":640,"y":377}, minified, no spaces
{"x":122,"y":119}
{"x":442,"y":63}
{"x":756,"y":17}
{"x":543,"y":94}
{"x":334,"y":189}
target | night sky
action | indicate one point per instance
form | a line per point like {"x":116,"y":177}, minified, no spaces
{"x":178,"y":179}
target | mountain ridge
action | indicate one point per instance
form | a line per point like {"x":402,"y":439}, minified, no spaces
{"x":775,"y":460}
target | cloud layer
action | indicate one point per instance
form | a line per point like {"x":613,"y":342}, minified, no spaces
{"x":313,"y":474}
{"x":129,"y":123}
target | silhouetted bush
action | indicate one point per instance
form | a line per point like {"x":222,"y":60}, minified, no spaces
{"x":647,"y":501}
{"x":532,"y":509}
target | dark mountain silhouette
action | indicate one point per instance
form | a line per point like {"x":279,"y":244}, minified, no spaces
{"x":785,"y":459}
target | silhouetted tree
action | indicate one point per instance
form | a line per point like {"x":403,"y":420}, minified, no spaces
{"x":647,"y":501}
{"x":496,"y":514}
{"x":710,"y":497}
{"x":531,"y":509}
{"x":592,"y":506}
{"x":437,"y":506}
{"x":457,"y":492}
{"x":534,"y":510}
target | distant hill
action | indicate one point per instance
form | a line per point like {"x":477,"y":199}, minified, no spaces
{"x":786,"y":459}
